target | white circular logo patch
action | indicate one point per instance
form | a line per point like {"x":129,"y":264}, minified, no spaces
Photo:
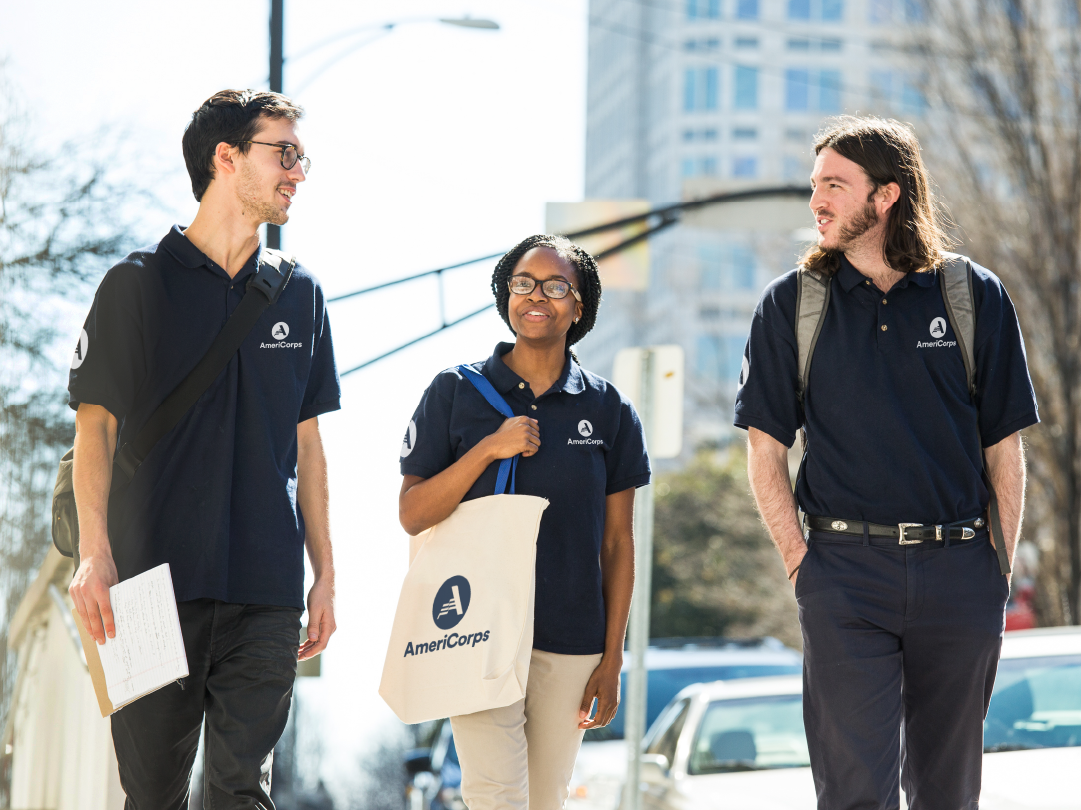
{"x":80,"y":350}
{"x":938,"y":327}
{"x":280,"y":331}
{"x":744,"y":371}
{"x":410,"y":440}
{"x":585,"y":428}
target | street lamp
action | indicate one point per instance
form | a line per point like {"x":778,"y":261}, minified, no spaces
{"x":277,"y":57}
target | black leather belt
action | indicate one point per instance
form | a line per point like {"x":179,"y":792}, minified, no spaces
{"x":906,"y":534}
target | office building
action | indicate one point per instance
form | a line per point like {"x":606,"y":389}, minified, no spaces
{"x":688,"y":98}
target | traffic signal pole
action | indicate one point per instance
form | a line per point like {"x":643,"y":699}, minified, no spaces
{"x":277,"y":68}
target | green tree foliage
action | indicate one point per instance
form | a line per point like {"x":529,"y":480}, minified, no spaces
{"x":715,"y":570}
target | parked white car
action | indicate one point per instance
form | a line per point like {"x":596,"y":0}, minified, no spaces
{"x":739,"y":744}
{"x":673,"y":664}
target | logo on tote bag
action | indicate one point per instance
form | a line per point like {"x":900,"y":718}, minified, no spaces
{"x":451,"y":603}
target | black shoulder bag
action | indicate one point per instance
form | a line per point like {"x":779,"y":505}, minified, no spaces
{"x":263,"y":289}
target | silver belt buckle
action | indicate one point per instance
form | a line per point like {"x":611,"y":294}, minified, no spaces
{"x":904,"y":541}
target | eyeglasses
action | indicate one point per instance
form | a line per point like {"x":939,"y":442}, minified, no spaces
{"x":552,"y":288}
{"x":289,"y":155}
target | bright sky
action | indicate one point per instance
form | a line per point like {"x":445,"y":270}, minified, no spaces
{"x":430,"y":145}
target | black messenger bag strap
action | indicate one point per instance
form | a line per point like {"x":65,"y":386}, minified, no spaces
{"x":263,"y":289}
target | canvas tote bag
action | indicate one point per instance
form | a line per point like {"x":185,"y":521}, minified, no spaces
{"x":463,"y":629}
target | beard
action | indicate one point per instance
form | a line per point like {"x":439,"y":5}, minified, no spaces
{"x":862,"y":222}
{"x":250,"y":193}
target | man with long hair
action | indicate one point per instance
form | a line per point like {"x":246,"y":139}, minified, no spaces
{"x":900,"y":586}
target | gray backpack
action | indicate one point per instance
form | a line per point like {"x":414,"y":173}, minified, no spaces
{"x":955,"y":281}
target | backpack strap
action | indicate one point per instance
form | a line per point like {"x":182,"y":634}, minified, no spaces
{"x":508,"y":468}
{"x":812,"y":300}
{"x":955,"y":280}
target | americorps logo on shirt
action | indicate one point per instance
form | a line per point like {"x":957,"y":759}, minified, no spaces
{"x":585,"y":429}
{"x":410,"y":440}
{"x":744,"y":372}
{"x":279,"y":333}
{"x":80,"y":350}
{"x":938,"y":330}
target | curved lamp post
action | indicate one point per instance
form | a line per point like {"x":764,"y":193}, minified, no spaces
{"x":278,"y":58}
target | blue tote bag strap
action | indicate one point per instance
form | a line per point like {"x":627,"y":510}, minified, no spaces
{"x":508,"y":467}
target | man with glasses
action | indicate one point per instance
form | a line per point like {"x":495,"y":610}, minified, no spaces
{"x":233,"y":494}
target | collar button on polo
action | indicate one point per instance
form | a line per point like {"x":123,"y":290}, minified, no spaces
{"x":533,"y":407}
{"x":884,"y":327}
{"x":521,"y":385}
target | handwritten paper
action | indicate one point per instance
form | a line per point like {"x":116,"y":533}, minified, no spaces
{"x":147,"y":651}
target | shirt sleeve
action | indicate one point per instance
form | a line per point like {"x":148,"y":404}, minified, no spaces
{"x":108,"y":364}
{"x":626,"y":463}
{"x":426,"y":446}
{"x":323,"y":392}
{"x":1004,"y":395}
{"x":766,"y":397}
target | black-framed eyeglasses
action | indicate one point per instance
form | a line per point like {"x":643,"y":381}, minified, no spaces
{"x":289,"y":155}
{"x":552,"y":288}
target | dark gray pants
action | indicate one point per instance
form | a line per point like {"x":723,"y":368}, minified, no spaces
{"x":901,"y":646}
{"x":242,"y":661}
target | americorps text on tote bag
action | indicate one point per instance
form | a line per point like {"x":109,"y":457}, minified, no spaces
{"x":463,"y":630}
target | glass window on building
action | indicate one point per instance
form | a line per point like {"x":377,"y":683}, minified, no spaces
{"x":880,"y":12}
{"x":744,"y":43}
{"x":829,"y":91}
{"x":700,"y":91}
{"x":747,"y":9}
{"x":708,"y":166}
{"x":798,"y":44}
{"x":795,"y":169}
{"x":913,"y":100}
{"x":746,"y":93}
{"x":915,"y":11}
{"x":797,"y":89}
{"x":881,"y":87}
{"x":719,"y":358}
{"x":690,"y":89}
{"x":687,"y":167}
{"x":743,"y":266}
{"x":727,"y":267}
{"x":744,"y":134}
{"x":745,"y":166}
{"x":816,"y":10}
{"x":708,"y":354}
{"x":710,"y":83}
{"x":703,"y":9}
{"x":833,"y":10}
{"x":799,"y":9}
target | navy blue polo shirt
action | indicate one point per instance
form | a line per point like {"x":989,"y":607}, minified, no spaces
{"x":215,"y":497}
{"x":591,"y":447}
{"x":892,"y":433}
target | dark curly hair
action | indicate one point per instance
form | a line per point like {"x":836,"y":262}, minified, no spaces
{"x":585,"y":267}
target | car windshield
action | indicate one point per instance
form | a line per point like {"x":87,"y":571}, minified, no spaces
{"x":750,"y":734}
{"x":1036,"y":703}
{"x":665,"y":684}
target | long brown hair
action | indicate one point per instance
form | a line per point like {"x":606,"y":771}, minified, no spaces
{"x":888,"y":152}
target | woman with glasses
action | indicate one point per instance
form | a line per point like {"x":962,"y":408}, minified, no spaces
{"x":582,"y":448}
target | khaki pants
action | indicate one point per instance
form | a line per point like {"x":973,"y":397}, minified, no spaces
{"x":521,"y":756}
